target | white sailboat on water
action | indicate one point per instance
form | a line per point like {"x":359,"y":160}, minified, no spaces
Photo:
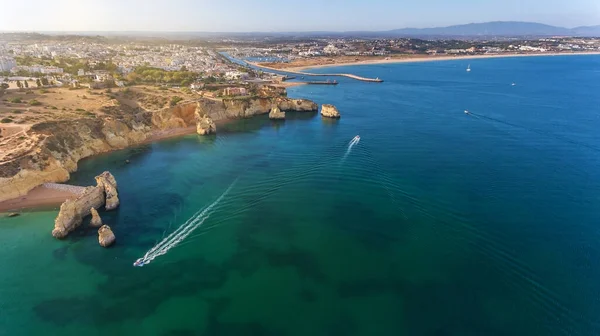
{"x":469,"y":68}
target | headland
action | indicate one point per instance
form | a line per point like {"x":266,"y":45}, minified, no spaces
{"x":43,"y":144}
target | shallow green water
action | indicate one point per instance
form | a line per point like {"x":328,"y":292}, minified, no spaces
{"x":436,"y":223}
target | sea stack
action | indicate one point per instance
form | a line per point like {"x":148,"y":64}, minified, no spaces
{"x":96,"y":220}
{"x":276,"y":114}
{"x":72,"y":212}
{"x":107,"y":181}
{"x":205,"y":125}
{"x":105,"y":236}
{"x":330,"y":111}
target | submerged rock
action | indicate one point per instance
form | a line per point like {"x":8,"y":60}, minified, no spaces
{"x":205,"y":125}
{"x":330,"y":111}
{"x":96,"y":220}
{"x":108,"y":182}
{"x":105,"y":236}
{"x":276,"y":113}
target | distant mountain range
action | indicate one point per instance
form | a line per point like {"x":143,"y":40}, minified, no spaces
{"x":499,"y":28}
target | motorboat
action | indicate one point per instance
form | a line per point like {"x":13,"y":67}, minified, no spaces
{"x":466,"y":112}
{"x":356,"y":138}
{"x":139,"y":262}
{"x":469,"y":68}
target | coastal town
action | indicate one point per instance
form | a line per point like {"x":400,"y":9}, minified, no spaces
{"x":36,"y":60}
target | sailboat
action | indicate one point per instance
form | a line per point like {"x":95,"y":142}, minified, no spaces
{"x":469,"y":68}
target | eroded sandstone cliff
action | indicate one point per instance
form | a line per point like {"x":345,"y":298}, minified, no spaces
{"x":61,"y":144}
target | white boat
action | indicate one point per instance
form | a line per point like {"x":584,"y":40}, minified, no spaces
{"x":139,"y":262}
{"x":466,"y":112}
{"x":356,"y":138}
{"x":469,"y":68}
{"x":513,"y":84}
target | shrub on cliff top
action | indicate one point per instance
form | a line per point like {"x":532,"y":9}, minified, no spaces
{"x":34,"y":102}
{"x":16,"y":100}
{"x":175,"y":100}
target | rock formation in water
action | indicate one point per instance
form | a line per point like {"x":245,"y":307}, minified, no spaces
{"x":276,"y":114}
{"x":105,"y":236}
{"x":72,"y":212}
{"x":96,"y":220}
{"x":107,"y":181}
{"x":205,"y":125}
{"x":330,"y":111}
{"x":60,"y":144}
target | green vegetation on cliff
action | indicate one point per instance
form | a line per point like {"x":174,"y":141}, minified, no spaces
{"x":146,"y":74}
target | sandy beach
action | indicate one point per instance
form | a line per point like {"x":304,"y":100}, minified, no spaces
{"x":39,"y":196}
{"x":404,"y":59}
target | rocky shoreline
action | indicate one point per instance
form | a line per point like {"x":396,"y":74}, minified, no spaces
{"x":63,"y":143}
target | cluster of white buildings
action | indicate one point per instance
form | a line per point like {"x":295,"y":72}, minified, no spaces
{"x":170,"y":58}
{"x":46,"y":70}
{"x":127,"y":55}
{"x":7,"y":63}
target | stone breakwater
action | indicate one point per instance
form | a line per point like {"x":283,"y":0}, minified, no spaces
{"x":61,"y":144}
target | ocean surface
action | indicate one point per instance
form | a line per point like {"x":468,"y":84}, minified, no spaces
{"x":438,"y":222}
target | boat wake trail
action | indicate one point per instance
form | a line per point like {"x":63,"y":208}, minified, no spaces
{"x":351,"y":144}
{"x":182,"y":232}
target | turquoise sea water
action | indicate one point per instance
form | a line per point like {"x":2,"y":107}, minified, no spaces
{"x":437,"y":223}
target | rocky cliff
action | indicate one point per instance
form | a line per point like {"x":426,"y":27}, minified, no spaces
{"x":61,"y":144}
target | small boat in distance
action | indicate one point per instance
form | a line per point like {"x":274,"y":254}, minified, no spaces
{"x":139,"y":262}
{"x":513,"y":84}
{"x":356,"y":138}
{"x":469,"y":68}
{"x":466,"y":112}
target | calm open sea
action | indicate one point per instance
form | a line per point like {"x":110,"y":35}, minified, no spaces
{"x":437,"y":222}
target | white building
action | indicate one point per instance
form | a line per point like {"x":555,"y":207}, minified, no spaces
{"x":331,"y":49}
{"x":51,"y":70}
{"x":230,"y":75}
{"x":7,"y":63}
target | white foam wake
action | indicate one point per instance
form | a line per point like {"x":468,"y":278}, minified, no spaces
{"x":351,"y":144}
{"x":183,"y":231}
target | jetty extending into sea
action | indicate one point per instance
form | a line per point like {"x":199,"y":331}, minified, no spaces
{"x":364,"y":79}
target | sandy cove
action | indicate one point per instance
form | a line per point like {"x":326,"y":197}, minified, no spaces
{"x":40,"y":196}
{"x":418,"y":58}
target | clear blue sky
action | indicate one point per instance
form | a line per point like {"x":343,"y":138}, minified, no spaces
{"x":283,"y":15}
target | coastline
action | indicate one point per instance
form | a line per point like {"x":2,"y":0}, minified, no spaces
{"x":40,"y":196}
{"x":43,"y":196}
{"x":421,"y":58}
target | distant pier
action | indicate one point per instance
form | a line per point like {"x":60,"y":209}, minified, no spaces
{"x":321,"y":83}
{"x":364,"y":79}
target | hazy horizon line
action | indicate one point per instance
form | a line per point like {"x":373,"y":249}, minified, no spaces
{"x":279,"y":31}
